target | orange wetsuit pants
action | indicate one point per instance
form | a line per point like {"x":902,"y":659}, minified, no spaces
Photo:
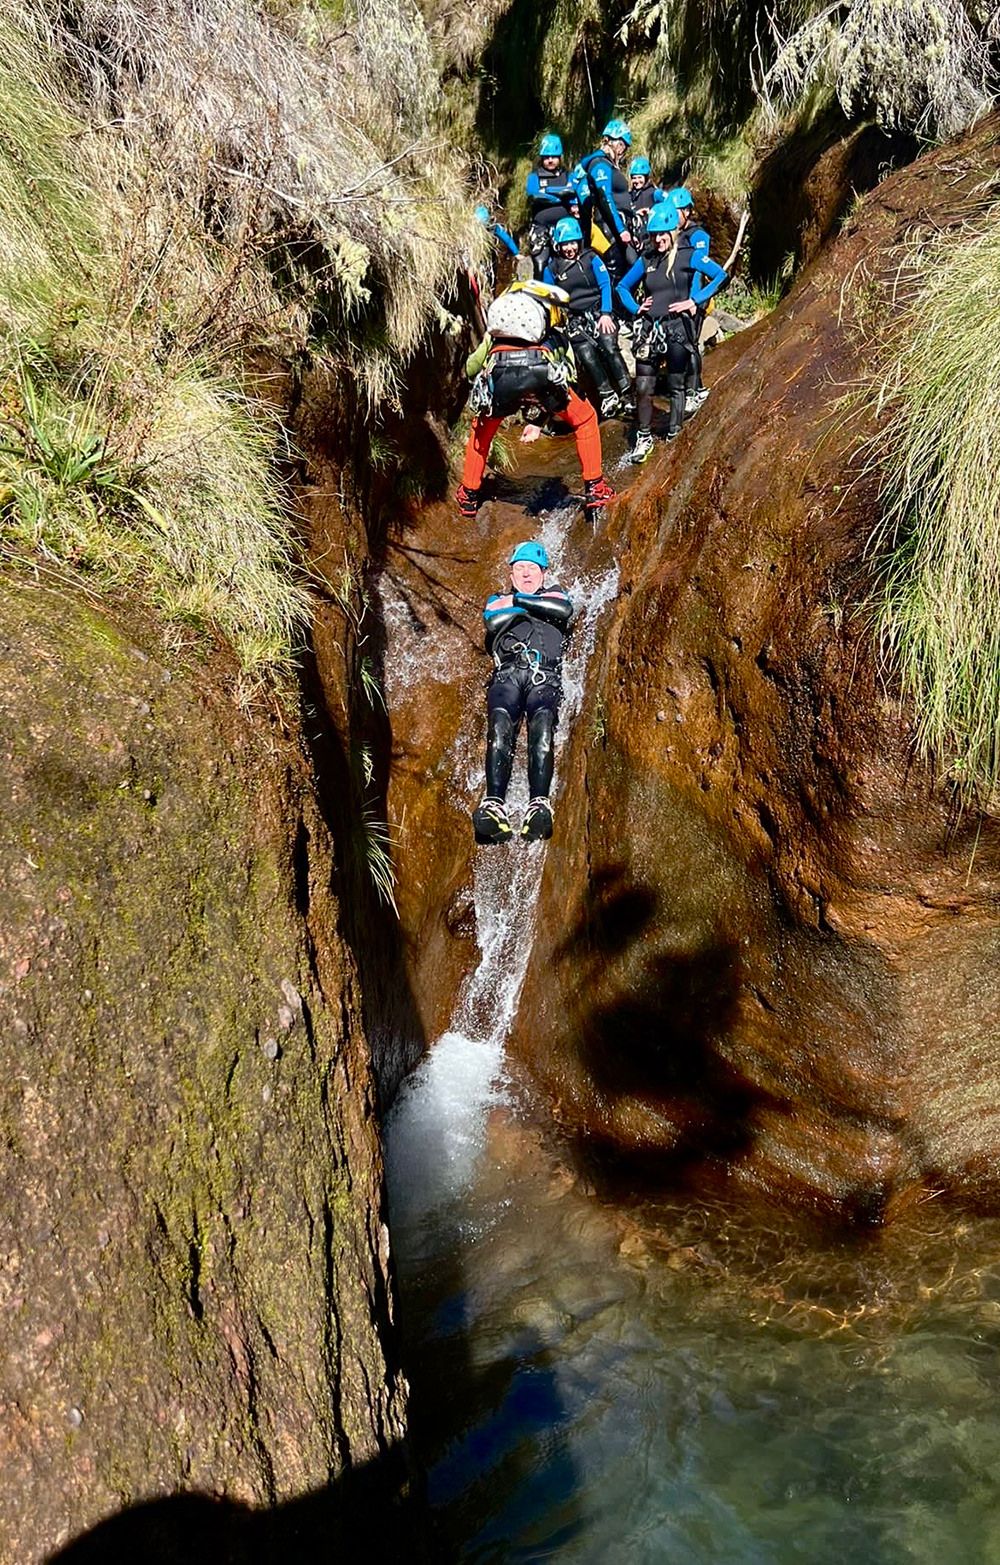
{"x":580,"y":417}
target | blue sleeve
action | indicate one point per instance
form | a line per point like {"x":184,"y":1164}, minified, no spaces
{"x":700,"y":241}
{"x":505,"y":239}
{"x":604,"y":283}
{"x":628,"y":282}
{"x":548,"y":276}
{"x":712,"y":272}
{"x":578,"y":183}
{"x":600,"y":175}
{"x":531,"y":184}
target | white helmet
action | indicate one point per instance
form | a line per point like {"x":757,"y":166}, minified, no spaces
{"x":519,"y":317}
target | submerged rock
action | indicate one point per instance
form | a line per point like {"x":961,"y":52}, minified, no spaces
{"x":192,"y":1280}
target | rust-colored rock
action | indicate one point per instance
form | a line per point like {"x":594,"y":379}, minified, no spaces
{"x":767,"y":945}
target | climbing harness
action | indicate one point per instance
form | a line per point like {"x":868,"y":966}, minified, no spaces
{"x":525,"y":657}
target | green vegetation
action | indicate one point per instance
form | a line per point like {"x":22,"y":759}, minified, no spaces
{"x":939,"y":610}
{"x":921,"y":65}
{"x":166,"y":248}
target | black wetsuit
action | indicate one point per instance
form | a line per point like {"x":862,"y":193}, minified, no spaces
{"x":641,"y":203}
{"x":659,"y":336}
{"x":527,"y":642}
{"x":588,"y":284}
{"x":551,"y":196}
{"x":610,"y":193}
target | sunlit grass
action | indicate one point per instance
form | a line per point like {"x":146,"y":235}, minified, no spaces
{"x":939,"y":545}
{"x":223,"y":192}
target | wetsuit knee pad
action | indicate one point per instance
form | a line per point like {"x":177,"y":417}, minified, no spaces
{"x":541,"y":756}
{"x":678,"y":357}
{"x":501,"y":730}
{"x":645,"y":379}
{"x":589,"y":360}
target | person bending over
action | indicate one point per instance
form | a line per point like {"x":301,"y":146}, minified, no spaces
{"x":525,"y":363}
{"x":526,"y":631}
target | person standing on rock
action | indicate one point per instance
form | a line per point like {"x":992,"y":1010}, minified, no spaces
{"x":552,"y":199}
{"x":525,"y":363}
{"x":675,"y":279}
{"x":605,"y":198}
{"x":644,"y":196}
{"x":691,"y":238}
{"x":526,"y":631}
{"x":591,"y":326}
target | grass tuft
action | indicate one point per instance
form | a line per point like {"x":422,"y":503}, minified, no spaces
{"x":939,"y":542}
{"x":190,"y":189}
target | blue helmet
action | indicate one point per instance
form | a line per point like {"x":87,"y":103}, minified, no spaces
{"x":566,"y":231}
{"x":640,"y":166}
{"x":681,"y":197}
{"x":663,"y":219}
{"x":550,"y":147}
{"x":533,"y":552}
{"x":617,"y":130}
{"x":483,"y":214}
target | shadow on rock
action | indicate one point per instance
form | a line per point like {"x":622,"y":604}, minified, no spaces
{"x":334,"y":1523}
{"x":652,"y":1013}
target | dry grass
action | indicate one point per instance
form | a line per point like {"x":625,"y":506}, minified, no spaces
{"x":917,"y":65}
{"x":216,"y":205}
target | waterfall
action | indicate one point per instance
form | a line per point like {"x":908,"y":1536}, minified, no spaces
{"x":436,"y":1130}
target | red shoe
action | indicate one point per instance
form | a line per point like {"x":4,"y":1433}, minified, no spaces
{"x":468,"y":502}
{"x":598,"y":492}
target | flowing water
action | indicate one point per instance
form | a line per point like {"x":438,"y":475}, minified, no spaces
{"x":602,"y":1377}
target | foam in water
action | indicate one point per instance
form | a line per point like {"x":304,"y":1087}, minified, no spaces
{"x":437,"y":1129}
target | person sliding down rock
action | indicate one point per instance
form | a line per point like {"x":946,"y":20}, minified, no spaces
{"x":664,"y":330}
{"x":592,"y":329}
{"x":526,"y":630}
{"x":523,"y":362}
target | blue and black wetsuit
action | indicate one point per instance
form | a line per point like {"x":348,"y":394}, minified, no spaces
{"x":499,"y":232}
{"x":526,"y":639}
{"x":588,"y":284}
{"x":608,"y":203}
{"x":641,"y":203}
{"x":700,"y":242}
{"x":660,"y":336}
{"x":552,"y":197}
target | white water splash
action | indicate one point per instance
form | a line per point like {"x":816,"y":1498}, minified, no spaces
{"x":437,"y":1129}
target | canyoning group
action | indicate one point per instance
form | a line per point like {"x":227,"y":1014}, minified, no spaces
{"x":612,"y":254}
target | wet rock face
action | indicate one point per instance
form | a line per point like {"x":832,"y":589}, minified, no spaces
{"x":193,"y":1287}
{"x":767,"y":946}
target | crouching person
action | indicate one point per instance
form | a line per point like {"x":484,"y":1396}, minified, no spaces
{"x":524,"y":363}
{"x":526,"y":631}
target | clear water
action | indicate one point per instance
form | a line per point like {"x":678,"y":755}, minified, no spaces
{"x":601,"y":1378}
